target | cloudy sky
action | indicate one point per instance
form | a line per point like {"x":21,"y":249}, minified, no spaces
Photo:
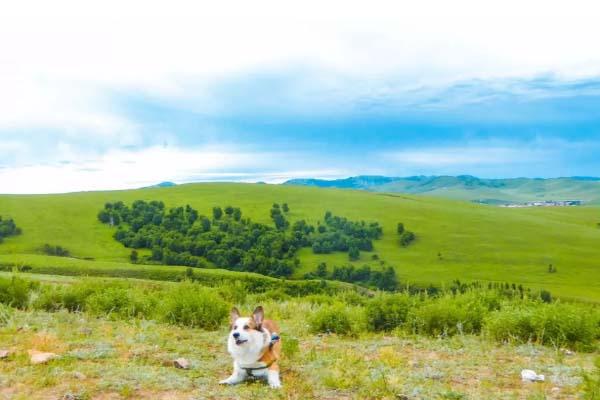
{"x":127,"y":94}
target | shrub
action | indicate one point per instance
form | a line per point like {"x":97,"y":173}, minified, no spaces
{"x":58,"y":251}
{"x":591,"y":382}
{"x":332,"y":319}
{"x":406,"y":238}
{"x":50,"y":298}
{"x":319,"y":299}
{"x":191,"y":305}
{"x":15,"y":291}
{"x":122,"y":301}
{"x":556,"y":324}
{"x":352,"y":298}
{"x":387,"y":312}
{"x":450,"y":315}
{"x":290,"y":347}
{"x":234,"y":292}
{"x":6,"y":313}
{"x":71,"y":297}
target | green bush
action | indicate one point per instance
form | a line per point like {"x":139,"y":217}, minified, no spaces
{"x":15,"y":291}
{"x":335,"y":318}
{"x":50,"y":298}
{"x":123,"y":302}
{"x":319,"y":299}
{"x":234,"y":292}
{"x":71,"y":297}
{"x":6,"y":313}
{"x":352,"y":298}
{"x":450,"y":315}
{"x":290,"y":347}
{"x":189,"y":304}
{"x":591,"y":382}
{"x":386,"y":312}
{"x":551,"y":324}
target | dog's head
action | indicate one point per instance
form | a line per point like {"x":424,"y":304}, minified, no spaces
{"x":247,"y":331}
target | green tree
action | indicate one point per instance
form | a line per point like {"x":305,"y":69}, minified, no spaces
{"x":217,"y":213}
{"x":321,"y":270}
{"x":133,"y":257}
{"x":285,"y":207}
{"x":353,"y":253}
{"x":104,"y":216}
{"x":400,"y":228}
{"x":406,"y":238}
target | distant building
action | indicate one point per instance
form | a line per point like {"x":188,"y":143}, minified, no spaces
{"x":545,"y":203}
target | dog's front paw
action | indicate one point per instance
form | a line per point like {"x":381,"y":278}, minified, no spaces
{"x":275,"y":385}
{"x":227,"y":381}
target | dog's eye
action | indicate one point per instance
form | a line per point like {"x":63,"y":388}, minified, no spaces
{"x":235,"y":327}
{"x":246,"y":327}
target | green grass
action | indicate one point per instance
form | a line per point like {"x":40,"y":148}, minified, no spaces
{"x":476,"y":242}
{"x":61,"y":267}
{"x":118,"y":358}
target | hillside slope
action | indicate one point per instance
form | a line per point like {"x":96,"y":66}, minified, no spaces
{"x":455,"y":240}
{"x":466,"y":187}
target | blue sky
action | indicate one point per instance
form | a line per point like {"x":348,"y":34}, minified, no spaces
{"x":190,"y":92}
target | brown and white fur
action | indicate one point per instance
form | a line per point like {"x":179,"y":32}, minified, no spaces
{"x":249,"y":343}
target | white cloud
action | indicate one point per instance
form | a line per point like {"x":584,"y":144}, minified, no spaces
{"x":58,"y":58}
{"x":62,"y":63}
{"x":465,"y":156}
{"x":124,"y":169}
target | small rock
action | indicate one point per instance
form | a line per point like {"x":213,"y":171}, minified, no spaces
{"x":567,"y":352}
{"x":181,"y":363}
{"x":79,"y":375}
{"x":4,"y":354}
{"x":528,"y":375}
{"x":40,"y":357}
{"x":555,"y":389}
{"x":71,"y":396}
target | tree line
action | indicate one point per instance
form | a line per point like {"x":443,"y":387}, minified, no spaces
{"x":384,"y":279}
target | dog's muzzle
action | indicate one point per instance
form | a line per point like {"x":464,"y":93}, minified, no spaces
{"x":238,"y":341}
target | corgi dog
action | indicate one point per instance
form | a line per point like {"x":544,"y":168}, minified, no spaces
{"x":255,"y":346}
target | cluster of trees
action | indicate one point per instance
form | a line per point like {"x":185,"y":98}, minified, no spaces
{"x":384,"y":279}
{"x":52,"y":250}
{"x":277,"y":216}
{"x":181,"y":236}
{"x":8,"y":228}
{"x":341,"y":234}
{"x":406,"y":237}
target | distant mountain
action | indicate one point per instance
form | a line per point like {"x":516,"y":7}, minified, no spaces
{"x":162,"y":184}
{"x":467,"y":187}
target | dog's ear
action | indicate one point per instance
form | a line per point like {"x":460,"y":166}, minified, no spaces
{"x":258,"y":315}
{"x":234,"y":314}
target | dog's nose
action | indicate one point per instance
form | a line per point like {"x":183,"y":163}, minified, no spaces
{"x":236,"y":335}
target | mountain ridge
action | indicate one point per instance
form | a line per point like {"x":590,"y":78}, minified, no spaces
{"x":468,"y":187}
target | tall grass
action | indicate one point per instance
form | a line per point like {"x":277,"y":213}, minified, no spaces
{"x":495,"y":314}
{"x":551,"y":324}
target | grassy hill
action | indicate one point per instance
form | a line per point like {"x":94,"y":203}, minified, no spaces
{"x":455,"y":240}
{"x":471,"y":188}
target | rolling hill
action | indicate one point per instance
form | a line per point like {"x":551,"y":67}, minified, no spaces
{"x":466,"y":187}
{"x":455,"y":239}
